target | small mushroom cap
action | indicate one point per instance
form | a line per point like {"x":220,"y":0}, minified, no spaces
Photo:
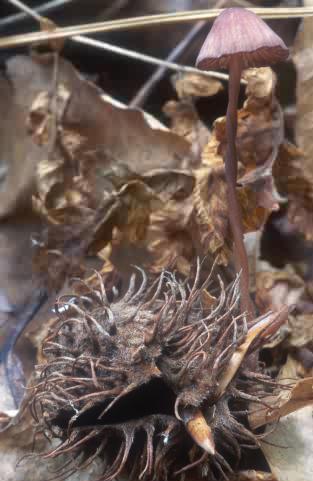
{"x":239,"y":32}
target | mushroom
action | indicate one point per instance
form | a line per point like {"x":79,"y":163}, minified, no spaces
{"x":238,"y":39}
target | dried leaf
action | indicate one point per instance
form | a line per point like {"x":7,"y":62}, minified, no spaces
{"x":19,"y":155}
{"x":259,"y":136}
{"x":44,"y":116}
{"x":121,"y":135}
{"x":196,"y":85}
{"x":252,"y":475}
{"x":169,"y":238}
{"x":260,"y":133}
{"x":275,"y":289}
{"x":211,"y":213}
{"x":137,"y":201}
{"x":289,"y":453}
{"x":303,"y":60}
{"x":300,"y":396}
{"x":294,"y":180}
{"x":170,"y":184}
{"x":186,"y":123}
{"x":100,"y":130}
{"x":81,"y":229}
{"x":301,"y":330}
{"x":85,"y":187}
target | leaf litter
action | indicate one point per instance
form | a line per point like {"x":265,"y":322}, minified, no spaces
{"x":114,"y":188}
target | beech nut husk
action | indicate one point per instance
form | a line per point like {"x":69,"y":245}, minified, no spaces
{"x":148,"y":382}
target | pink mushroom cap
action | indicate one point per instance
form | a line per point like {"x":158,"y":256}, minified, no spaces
{"x":241,"y":33}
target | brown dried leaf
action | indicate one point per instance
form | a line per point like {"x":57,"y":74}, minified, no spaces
{"x":18,"y":153}
{"x":259,"y":136}
{"x":196,"y":85}
{"x":80,"y":229}
{"x":176,"y":235}
{"x":95,"y":128}
{"x":300,"y":396}
{"x":303,"y":60}
{"x":186,"y":123}
{"x":210,"y":206}
{"x":169,"y":239}
{"x":252,"y":475}
{"x":169,"y":183}
{"x":275,"y":289}
{"x":84,"y":185}
{"x":120,"y":135}
{"x":294,"y":180}
{"x":184,"y":117}
{"x":288,"y":449}
{"x":260,"y":133}
{"x":301,"y":330}
{"x":137,"y":202}
{"x":45,"y":112}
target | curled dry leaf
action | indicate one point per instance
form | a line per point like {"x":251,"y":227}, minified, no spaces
{"x":19,"y":155}
{"x":169,"y":239}
{"x":195,"y":225}
{"x":184,"y":117}
{"x":259,"y":136}
{"x":209,"y":200}
{"x":271,"y":170}
{"x":170,"y":183}
{"x":98,"y":126}
{"x":93,"y":134}
{"x":275,"y":289}
{"x":301,"y":330}
{"x":121,"y":135}
{"x":82,"y":230}
{"x":260,"y":133}
{"x":188,"y":85}
{"x":300,"y":396}
{"x":186,"y":123}
{"x":86,"y":137}
{"x":303,"y":60}
{"x":294,"y":180}
{"x":288,"y":401}
{"x":288,"y":449}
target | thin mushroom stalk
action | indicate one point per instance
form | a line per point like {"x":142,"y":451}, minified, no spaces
{"x":231,"y":168}
{"x":238,"y":39}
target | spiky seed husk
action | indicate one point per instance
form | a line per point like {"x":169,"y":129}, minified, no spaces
{"x":145,"y":381}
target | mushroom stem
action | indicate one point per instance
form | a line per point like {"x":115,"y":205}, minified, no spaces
{"x":230,"y":161}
